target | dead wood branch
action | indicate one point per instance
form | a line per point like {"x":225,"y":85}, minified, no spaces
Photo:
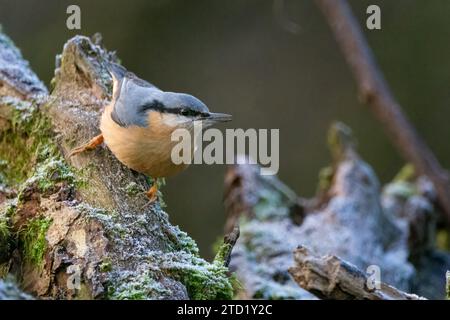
{"x":329,"y":277}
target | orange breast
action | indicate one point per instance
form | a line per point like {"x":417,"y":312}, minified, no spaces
{"x":146,"y":150}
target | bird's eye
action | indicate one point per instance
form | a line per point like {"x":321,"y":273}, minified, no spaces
{"x":188,"y":112}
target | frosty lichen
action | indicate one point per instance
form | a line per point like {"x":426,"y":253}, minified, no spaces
{"x":4,"y":228}
{"x":16,"y":71}
{"x":136,"y":286}
{"x":133,"y":189}
{"x":50,"y":172}
{"x":27,"y":150}
{"x":203,"y":280}
{"x":30,"y":160}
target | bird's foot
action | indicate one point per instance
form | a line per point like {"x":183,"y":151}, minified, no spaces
{"x":91,"y":145}
{"x":152,"y":193}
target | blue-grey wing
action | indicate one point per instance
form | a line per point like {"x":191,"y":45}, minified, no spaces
{"x":132,"y":98}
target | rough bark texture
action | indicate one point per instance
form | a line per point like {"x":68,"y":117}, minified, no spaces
{"x":350,"y":218}
{"x":329,"y":277}
{"x":80,"y":228}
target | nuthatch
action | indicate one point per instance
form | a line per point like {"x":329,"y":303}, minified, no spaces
{"x":138,"y":123}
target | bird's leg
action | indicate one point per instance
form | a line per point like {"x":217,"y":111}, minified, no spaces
{"x":91,"y":145}
{"x":152,"y":193}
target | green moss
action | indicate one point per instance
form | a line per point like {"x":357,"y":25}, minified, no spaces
{"x":203,"y":280}
{"x":184,"y":242}
{"x":403,"y":186}
{"x":9,"y":210}
{"x":33,"y":241}
{"x":105,"y":266}
{"x":133,"y":189}
{"x":5,"y":235}
{"x":400,"y":189}
{"x":4,"y":228}
{"x":407,"y":174}
{"x":83,"y":176}
{"x":27,"y":150}
{"x":50,"y":172}
{"x":325,"y":179}
{"x":206,"y":281}
{"x":443,"y":239}
{"x":24,"y":142}
{"x":4,"y":269}
{"x":137,"y":287}
{"x":223,"y":252}
{"x":217,"y":244}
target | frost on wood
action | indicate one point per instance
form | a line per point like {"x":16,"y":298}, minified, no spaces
{"x":80,"y":227}
{"x":350,"y":218}
{"x":329,"y":277}
{"x":16,"y":78}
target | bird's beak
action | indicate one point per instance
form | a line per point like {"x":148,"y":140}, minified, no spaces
{"x":218,"y":117}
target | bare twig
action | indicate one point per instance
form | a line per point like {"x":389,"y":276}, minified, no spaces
{"x":375,"y":92}
{"x":330,"y":277}
{"x":230,"y":239}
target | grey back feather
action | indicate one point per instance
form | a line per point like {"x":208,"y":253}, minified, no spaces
{"x":135,"y":97}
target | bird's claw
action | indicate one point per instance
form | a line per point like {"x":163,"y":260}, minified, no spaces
{"x":152,"y":193}
{"x":91,"y":145}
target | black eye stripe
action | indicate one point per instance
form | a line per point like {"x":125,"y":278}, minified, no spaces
{"x":188,"y":112}
{"x":154,"y":105}
{"x":157,"y":105}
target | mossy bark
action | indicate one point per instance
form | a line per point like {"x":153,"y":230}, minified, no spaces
{"x":72,"y":228}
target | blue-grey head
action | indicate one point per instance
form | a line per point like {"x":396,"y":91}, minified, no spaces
{"x":135,"y":98}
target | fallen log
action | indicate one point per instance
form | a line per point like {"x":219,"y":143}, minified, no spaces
{"x":330,"y":277}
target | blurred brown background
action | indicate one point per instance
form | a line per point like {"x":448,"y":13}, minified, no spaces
{"x":242,"y":58}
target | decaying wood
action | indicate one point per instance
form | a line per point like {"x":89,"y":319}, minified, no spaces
{"x":80,"y":227}
{"x":329,"y":277}
{"x":352,"y":218}
{"x":375,"y":92}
